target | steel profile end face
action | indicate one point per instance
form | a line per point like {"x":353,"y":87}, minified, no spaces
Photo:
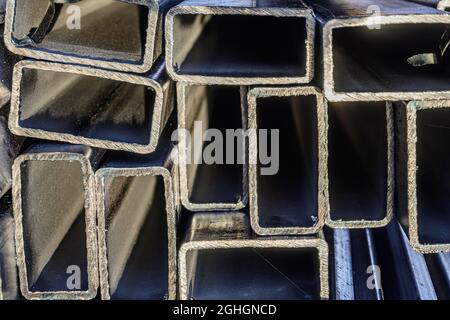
{"x":94,"y":107}
{"x":291,"y":197}
{"x":422,"y":173}
{"x":124,"y":35}
{"x":136,"y":214}
{"x":361,"y":172}
{"x":240,"y":42}
{"x":219,"y":183}
{"x":383,"y":50}
{"x":220,"y":260}
{"x":54,"y":211}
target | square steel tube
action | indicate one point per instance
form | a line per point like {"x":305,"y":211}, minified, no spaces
{"x":221,"y":259}
{"x":136,"y":213}
{"x":215,"y":186}
{"x":240,"y":42}
{"x":54,"y":211}
{"x":294,"y":200}
{"x":423,"y":175}
{"x":124,"y":35}
{"x":361,"y":174}
{"x":439,"y":4}
{"x":94,"y":107}
{"x":367,"y":45}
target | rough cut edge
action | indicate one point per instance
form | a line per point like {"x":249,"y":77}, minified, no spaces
{"x":322,"y":128}
{"x":213,"y":10}
{"x":443,"y":5}
{"x":14,"y":118}
{"x":413,"y":228}
{"x":147,"y":61}
{"x":329,"y":85}
{"x":100,"y":175}
{"x":184,"y":190}
{"x":290,"y":243}
{"x":91,"y":237}
{"x":390,"y":188}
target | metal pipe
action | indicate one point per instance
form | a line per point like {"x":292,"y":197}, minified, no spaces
{"x":54,"y":211}
{"x":211,"y":184}
{"x":95,"y":107}
{"x":360,"y":164}
{"x":375,"y":50}
{"x":124,"y":35}
{"x":9,"y":284}
{"x":422,"y":173}
{"x":240,"y":42}
{"x":220,"y":259}
{"x":294,"y":199}
{"x":136,"y":214}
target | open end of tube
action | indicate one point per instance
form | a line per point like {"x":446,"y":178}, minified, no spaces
{"x":288,"y":198}
{"x":211,"y":178}
{"x":86,"y":106}
{"x":136,"y":239}
{"x":242,"y":46}
{"x":54,"y":230}
{"x":254,"y":273}
{"x":357,"y":160}
{"x":96,"y":29}
{"x":376,"y":60}
{"x":433,"y":175}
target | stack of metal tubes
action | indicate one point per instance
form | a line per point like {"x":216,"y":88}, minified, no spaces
{"x":219,"y":149}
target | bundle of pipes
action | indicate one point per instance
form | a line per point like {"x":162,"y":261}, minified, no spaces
{"x":354,"y":97}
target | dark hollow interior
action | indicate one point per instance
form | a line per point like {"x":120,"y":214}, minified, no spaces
{"x":254,"y":273}
{"x":54,"y":226}
{"x":433,"y":175}
{"x":289,"y":197}
{"x":246,"y":46}
{"x":375,"y":60}
{"x":137,"y":241}
{"x":86,"y":106}
{"x":357,"y":160}
{"x":109,"y":29}
{"x":218,"y":183}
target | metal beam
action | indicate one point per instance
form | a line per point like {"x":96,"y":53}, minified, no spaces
{"x":293,"y":200}
{"x":95,"y":107}
{"x":240,"y":42}
{"x":125,"y":35}
{"x":54,"y":211}
{"x":136,"y":214}
{"x":220,"y":259}
{"x":360,"y":164}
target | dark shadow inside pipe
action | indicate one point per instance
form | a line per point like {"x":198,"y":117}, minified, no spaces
{"x":136,"y":238}
{"x":288,"y":198}
{"x":375,"y":60}
{"x":357,"y":160}
{"x":254,"y":273}
{"x":107,"y":29}
{"x":217,"y":182}
{"x":433,"y":175}
{"x":245,"y":46}
{"x":54,"y":229}
{"x":86,"y":106}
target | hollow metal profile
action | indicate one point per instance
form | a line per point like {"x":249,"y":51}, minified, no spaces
{"x":300,"y":187}
{"x":94,"y":107}
{"x":361,"y":157}
{"x":54,"y":212}
{"x":439,"y":267}
{"x":9,"y":284}
{"x":216,"y":185}
{"x":375,"y":50}
{"x":438,"y":4}
{"x":124,"y":35}
{"x":221,"y":259}
{"x":2,"y":10}
{"x":136,"y":214}
{"x":422,"y":173}
{"x":240,"y":42}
